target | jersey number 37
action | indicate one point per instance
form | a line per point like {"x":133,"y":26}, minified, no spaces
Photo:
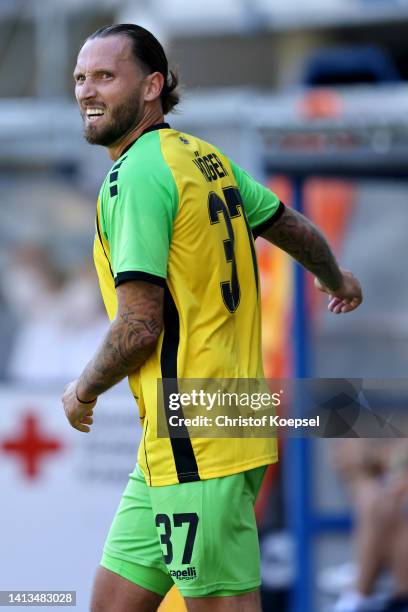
{"x":218,"y":210}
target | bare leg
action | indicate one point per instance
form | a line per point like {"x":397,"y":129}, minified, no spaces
{"x":400,"y":559}
{"x":112,"y":593}
{"x":399,"y":554}
{"x":372,"y":534}
{"x":250,"y":602}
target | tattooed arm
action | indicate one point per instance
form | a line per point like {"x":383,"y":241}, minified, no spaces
{"x":296,"y":235}
{"x":130,"y":340}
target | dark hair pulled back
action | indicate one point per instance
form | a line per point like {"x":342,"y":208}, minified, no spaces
{"x":149,"y":52}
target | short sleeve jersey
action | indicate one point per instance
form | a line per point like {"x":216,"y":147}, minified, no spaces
{"x":174,"y":211}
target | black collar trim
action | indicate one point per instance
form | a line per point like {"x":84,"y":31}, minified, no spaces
{"x":152,"y":128}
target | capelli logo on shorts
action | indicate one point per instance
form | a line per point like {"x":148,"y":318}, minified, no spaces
{"x":187,"y":574}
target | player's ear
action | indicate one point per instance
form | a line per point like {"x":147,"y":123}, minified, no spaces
{"x":154,"y":83}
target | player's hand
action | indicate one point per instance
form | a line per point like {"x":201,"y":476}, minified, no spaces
{"x":345,"y":299}
{"x":79,"y":415}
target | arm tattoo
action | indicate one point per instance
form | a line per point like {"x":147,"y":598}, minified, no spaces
{"x":296,"y":235}
{"x":130,"y":340}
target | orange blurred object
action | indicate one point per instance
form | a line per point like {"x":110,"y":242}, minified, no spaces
{"x":329,"y":203}
{"x":173,"y":602}
{"x":321,"y":104}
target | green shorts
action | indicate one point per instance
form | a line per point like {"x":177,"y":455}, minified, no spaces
{"x":201,"y":536}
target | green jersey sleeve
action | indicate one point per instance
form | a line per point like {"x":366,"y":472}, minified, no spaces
{"x":262,"y":206}
{"x":139,"y":222}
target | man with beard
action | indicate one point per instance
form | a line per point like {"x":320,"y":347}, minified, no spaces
{"x":177,"y":267}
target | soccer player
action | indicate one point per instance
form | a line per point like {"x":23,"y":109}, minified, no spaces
{"x":174,"y":251}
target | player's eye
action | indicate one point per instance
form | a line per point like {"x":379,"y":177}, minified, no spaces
{"x":106,"y":75}
{"x":79,"y":78}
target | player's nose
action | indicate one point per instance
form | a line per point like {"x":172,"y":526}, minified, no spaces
{"x":87,"y":90}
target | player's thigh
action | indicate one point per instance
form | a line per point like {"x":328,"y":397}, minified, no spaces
{"x":113,"y":593}
{"x":208,"y":534}
{"x":132,"y":549}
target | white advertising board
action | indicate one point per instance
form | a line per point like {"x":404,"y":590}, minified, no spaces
{"x":59,"y":488}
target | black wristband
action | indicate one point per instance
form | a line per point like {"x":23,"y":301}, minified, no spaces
{"x":81,"y":401}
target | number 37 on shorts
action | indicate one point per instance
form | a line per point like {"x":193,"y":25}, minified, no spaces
{"x":177,"y":534}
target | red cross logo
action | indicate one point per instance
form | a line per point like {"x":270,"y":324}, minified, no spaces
{"x":30,"y":446}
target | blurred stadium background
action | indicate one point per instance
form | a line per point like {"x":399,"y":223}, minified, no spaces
{"x":311,"y":97}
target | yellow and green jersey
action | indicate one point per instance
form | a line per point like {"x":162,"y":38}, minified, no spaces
{"x":175,"y":212}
